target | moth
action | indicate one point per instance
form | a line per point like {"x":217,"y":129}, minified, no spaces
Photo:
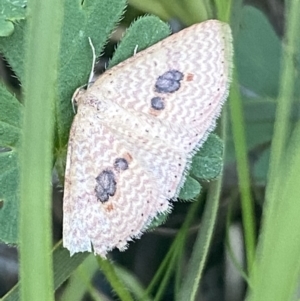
{"x":135,"y":132}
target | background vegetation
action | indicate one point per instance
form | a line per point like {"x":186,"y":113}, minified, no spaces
{"x":237,"y":240}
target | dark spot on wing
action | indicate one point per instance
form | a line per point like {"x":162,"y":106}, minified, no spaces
{"x":120,"y":164}
{"x":169,"y":82}
{"x":106,"y":185}
{"x":157,"y":103}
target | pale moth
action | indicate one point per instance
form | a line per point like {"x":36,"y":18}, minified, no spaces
{"x":135,"y":131}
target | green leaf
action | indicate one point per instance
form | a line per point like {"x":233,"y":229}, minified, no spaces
{"x":12,"y":48}
{"x":188,"y":12}
{"x":191,"y":188}
{"x":206,"y":165}
{"x":259,"y":115}
{"x":208,"y":162}
{"x":261,"y":168}
{"x":143,"y":33}
{"x":10,"y":133}
{"x":258,"y":51}
{"x":158,"y":220}
{"x":6,"y":27}
{"x":10,"y":13}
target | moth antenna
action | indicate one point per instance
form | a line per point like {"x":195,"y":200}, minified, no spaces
{"x":135,"y":49}
{"x":74,"y":97}
{"x":73,"y":105}
{"x":93,"y":62}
